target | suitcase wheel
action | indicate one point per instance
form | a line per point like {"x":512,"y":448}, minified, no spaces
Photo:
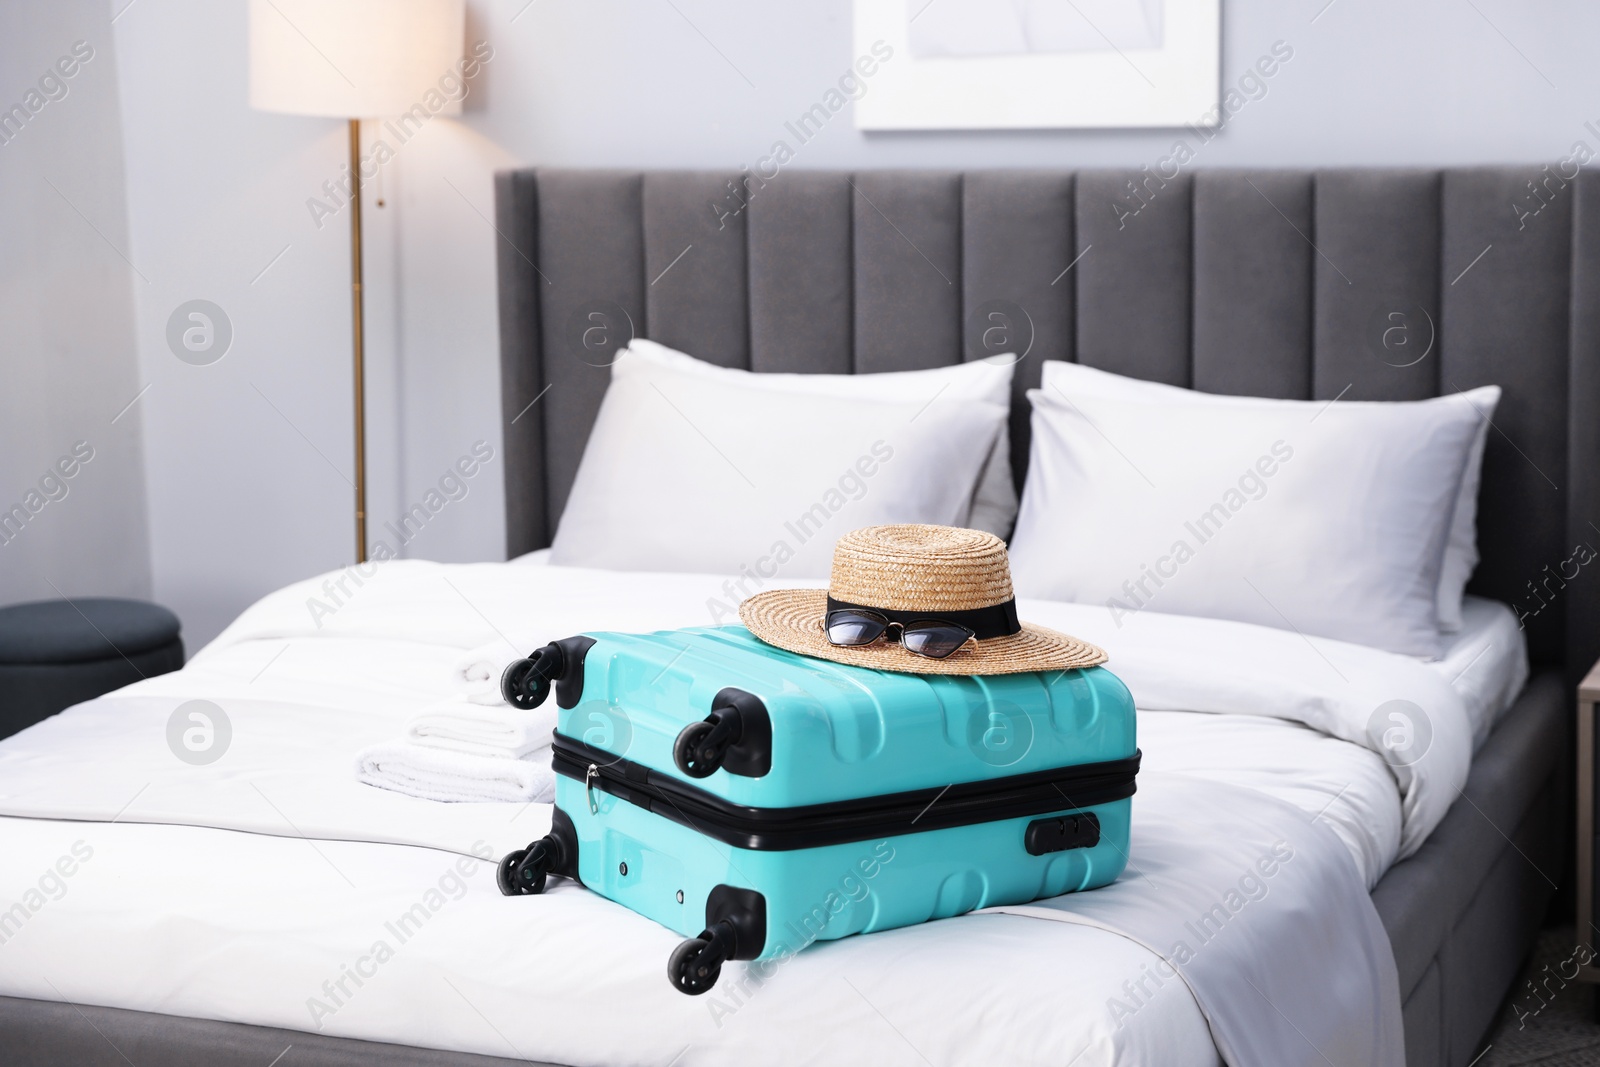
{"x":736,"y":737}
{"x":521,"y":687}
{"x":736,"y":929}
{"x":701,"y":748}
{"x":695,"y":965}
{"x":523,"y":872}
{"x":526,"y":683}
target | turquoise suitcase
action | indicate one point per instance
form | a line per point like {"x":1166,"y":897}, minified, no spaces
{"x":756,"y":801}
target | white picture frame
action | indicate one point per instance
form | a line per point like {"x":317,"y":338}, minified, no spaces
{"x":1039,"y":64}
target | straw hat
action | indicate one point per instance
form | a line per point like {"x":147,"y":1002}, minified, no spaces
{"x":936,"y":572}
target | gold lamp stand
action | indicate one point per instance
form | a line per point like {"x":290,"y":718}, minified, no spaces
{"x":357,"y":340}
{"x":328,"y":58}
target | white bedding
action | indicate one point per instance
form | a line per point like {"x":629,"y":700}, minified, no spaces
{"x":260,"y":929}
{"x":212,"y":924}
{"x":1486,"y":662}
{"x":304,"y":691}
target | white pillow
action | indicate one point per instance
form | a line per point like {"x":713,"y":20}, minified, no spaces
{"x":686,"y":471}
{"x":1461,"y":552}
{"x":994,"y":506}
{"x":1329,"y":519}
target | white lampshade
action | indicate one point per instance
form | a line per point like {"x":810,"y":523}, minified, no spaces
{"x":356,"y":58}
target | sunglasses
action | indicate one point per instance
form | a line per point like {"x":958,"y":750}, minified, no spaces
{"x":933,"y":638}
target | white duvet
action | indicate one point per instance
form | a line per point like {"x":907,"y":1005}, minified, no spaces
{"x":249,"y":926}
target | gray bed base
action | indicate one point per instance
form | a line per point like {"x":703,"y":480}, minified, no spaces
{"x":1271,"y":282}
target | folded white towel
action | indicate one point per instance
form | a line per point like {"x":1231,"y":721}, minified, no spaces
{"x":455,"y":777}
{"x":478,"y":729}
{"x":479,"y":670}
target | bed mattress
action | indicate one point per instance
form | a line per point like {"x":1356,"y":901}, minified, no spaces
{"x":265,"y":901}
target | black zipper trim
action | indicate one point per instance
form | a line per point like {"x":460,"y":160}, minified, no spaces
{"x":838,"y":822}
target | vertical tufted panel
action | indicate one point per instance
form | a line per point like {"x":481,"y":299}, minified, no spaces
{"x":591,"y":252}
{"x":1252,"y":283}
{"x":802,"y":304}
{"x":1274,"y":283}
{"x":1505,"y":290}
{"x":1133,"y":297}
{"x":1016,"y":244}
{"x":694,"y":265}
{"x":1377,"y":285}
{"x":516,"y":202}
{"x":907,"y":269}
{"x":1583,"y":445}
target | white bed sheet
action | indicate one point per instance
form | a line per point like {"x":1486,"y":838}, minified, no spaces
{"x":1486,"y":662}
{"x":1347,"y":788}
{"x":390,"y":649}
{"x":308,"y":689}
{"x":282,"y":932}
{"x":218,"y":924}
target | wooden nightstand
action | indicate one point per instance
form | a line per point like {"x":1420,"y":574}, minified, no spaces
{"x":1588,"y":707}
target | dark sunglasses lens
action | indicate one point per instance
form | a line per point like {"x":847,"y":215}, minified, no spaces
{"x":855,"y":628}
{"x":936,"y":640}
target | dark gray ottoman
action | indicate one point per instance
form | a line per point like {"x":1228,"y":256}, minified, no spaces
{"x":57,"y":653}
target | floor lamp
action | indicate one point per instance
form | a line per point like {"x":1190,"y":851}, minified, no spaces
{"x":355,"y":59}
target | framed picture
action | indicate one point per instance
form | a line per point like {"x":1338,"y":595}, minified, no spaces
{"x":1039,"y":64}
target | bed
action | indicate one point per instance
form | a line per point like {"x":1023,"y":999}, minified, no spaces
{"x":1211,"y":281}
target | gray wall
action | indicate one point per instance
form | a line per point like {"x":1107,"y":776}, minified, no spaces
{"x":1429,"y":82}
{"x":66,"y":316}
{"x":248,"y":459}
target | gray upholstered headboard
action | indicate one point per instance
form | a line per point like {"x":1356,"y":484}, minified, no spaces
{"x":1311,"y":284}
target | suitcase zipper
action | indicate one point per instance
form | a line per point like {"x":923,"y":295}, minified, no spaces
{"x":1061,"y":789}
